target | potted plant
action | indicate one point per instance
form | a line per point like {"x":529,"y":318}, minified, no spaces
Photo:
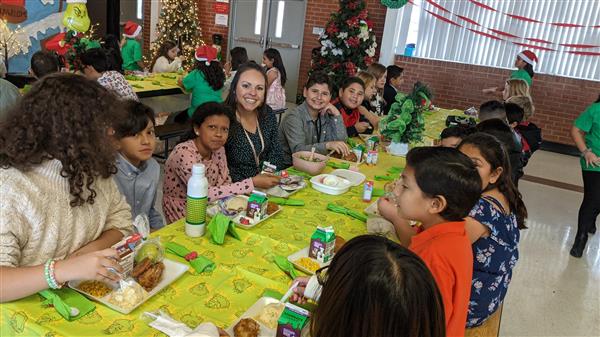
{"x":404,"y":123}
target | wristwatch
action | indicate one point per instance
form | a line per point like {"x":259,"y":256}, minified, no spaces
{"x":583,"y":153}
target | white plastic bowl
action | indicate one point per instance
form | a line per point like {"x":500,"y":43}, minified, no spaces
{"x":342,"y":186}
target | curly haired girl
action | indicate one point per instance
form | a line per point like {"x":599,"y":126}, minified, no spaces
{"x":61,"y":209}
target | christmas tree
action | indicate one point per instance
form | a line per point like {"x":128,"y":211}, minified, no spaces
{"x":178,"y":22}
{"x":348,"y":43}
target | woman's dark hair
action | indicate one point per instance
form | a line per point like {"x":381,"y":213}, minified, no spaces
{"x":375,"y":287}
{"x":163,"y":50}
{"x":213,"y":73}
{"x":273,"y":54}
{"x":239,"y":56}
{"x":318,"y":77}
{"x":64,"y":117}
{"x":204,"y":111}
{"x":529,"y":69}
{"x":137,"y":116}
{"x":443,"y":171}
{"x":514,"y":113}
{"x":113,"y":53}
{"x":231,"y":101}
{"x":598,"y":100}
{"x":348,"y":81}
{"x":96,"y":58}
{"x":493,"y":151}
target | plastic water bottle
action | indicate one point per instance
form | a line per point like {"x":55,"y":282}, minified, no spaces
{"x":197,"y":200}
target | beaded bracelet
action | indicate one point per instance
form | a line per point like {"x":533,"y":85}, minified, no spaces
{"x":49,"y":275}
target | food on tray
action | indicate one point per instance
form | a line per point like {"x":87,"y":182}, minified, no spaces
{"x":331,"y":180}
{"x":152,"y":250}
{"x":308,"y":264}
{"x":128,"y":296}
{"x":270,"y":314}
{"x":291,"y":183}
{"x":148,"y":273}
{"x":246,"y":327}
{"x":349,"y":157}
{"x":314,"y":160}
{"x":236,"y":204}
{"x":95,"y":288}
{"x":272,"y":208}
{"x":339,"y":242}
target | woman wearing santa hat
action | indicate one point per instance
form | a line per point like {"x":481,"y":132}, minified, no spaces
{"x":131,"y":50}
{"x":206,"y":81}
{"x":524,"y":62}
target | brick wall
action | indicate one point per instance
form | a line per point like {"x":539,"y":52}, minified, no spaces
{"x":146,"y":28}
{"x":317,"y":15}
{"x":206,"y":14}
{"x":558,"y":100}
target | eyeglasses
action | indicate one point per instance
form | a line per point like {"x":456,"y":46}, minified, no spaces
{"x":321,"y":275}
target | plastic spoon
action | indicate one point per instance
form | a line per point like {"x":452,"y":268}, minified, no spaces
{"x":312,"y":154}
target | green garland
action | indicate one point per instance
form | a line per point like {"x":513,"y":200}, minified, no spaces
{"x":394,"y":3}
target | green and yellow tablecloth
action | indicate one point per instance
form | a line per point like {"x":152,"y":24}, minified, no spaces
{"x":244,"y":268}
{"x":155,"y":84}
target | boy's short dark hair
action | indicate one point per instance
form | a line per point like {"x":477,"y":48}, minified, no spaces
{"x":393,"y":71}
{"x":136,"y":120}
{"x":348,"y":81}
{"x":514,"y":113}
{"x":491,"y":109}
{"x":455,"y":131}
{"x":443,"y":171}
{"x":318,"y":77}
{"x":96,"y":58}
{"x":44,"y":63}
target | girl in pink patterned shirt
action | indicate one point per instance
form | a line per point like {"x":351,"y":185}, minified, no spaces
{"x":211,"y":127}
{"x":276,"y":77}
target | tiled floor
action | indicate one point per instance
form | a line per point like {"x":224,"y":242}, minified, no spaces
{"x":552,"y":293}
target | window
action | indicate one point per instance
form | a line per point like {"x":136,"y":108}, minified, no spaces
{"x":139,"y":9}
{"x":426,"y":24}
{"x":258,"y":17}
{"x":279,"y":21}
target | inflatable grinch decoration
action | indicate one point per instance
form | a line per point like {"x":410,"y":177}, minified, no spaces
{"x":71,"y":43}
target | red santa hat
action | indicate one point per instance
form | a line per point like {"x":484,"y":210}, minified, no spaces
{"x":206,"y":53}
{"x":528,"y":56}
{"x":132,"y":29}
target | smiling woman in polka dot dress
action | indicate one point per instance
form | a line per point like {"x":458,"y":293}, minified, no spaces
{"x":210,"y":123}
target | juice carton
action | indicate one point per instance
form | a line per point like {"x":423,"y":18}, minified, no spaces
{"x":257,"y":206}
{"x":126,"y":249}
{"x":292,"y":320}
{"x":322,"y":244}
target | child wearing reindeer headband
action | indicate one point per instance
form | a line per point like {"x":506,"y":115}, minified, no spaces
{"x":131,"y":50}
{"x":205,"y":82}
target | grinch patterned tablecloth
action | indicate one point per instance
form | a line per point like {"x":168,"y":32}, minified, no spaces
{"x":244,"y":269}
{"x":155,"y":84}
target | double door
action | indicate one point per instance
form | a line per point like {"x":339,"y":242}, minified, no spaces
{"x":261,"y":24}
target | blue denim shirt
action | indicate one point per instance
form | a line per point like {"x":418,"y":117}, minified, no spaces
{"x":139,"y":185}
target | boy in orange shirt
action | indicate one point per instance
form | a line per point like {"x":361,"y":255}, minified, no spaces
{"x":438,"y":188}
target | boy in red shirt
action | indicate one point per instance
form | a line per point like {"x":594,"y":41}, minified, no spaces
{"x":438,"y":188}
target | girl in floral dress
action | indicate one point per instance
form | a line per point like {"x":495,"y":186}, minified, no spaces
{"x":492,"y":226}
{"x":276,"y":79}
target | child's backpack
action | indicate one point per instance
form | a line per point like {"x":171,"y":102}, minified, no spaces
{"x":531,"y":133}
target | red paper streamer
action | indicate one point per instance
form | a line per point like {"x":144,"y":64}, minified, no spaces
{"x":438,"y":6}
{"x":582,"y":46}
{"x":468,"y":20}
{"x":499,"y":32}
{"x":585,"y":53}
{"x":443,"y":18}
{"x":486,"y":34}
{"x":532,"y":46}
{"x":568,"y":25}
{"x":540,"y":41}
{"x":482,"y":5}
{"x":522,"y":18}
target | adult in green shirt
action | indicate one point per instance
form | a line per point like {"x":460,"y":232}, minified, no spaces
{"x":131,"y":50}
{"x":206,"y":81}
{"x":524,"y":62}
{"x":586,"y":134}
